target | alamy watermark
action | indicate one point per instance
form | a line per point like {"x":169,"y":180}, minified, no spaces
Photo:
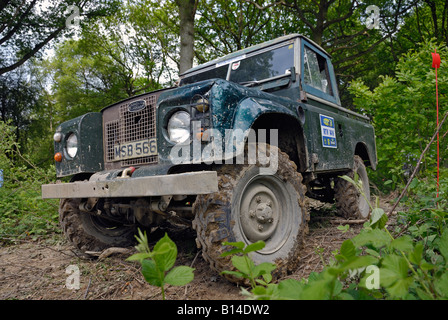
{"x":73,"y":20}
{"x":373,"y":20}
{"x":235,"y":147}
{"x":73,"y":280}
{"x":372,"y":276}
{"x":373,"y":280}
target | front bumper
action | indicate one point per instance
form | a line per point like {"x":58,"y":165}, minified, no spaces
{"x":191,"y":183}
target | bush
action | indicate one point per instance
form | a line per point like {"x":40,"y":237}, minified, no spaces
{"x":22,"y":211}
{"x":403,"y":110}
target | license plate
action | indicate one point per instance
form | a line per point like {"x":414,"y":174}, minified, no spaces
{"x":135,"y":149}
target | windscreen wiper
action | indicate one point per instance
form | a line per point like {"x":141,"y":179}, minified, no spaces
{"x":257,"y":82}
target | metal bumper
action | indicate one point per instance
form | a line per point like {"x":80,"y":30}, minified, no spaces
{"x":191,"y":183}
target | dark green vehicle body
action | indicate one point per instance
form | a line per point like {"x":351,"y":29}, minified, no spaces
{"x":234,"y":106}
{"x":302,"y":106}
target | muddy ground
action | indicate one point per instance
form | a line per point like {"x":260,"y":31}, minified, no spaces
{"x":39,"y":269}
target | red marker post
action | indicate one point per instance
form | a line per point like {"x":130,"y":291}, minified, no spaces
{"x":436,"y":65}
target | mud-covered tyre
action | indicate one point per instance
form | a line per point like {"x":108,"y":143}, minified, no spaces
{"x":349,"y":201}
{"x":90,"y":233}
{"x":250,"y":206}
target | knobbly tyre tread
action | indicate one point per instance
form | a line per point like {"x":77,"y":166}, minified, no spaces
{"x":75,"y":226}
{"x":347,"y":195}
{"x":213,"y":222}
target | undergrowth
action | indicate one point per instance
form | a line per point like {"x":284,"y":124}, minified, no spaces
{"x":23,"y":213}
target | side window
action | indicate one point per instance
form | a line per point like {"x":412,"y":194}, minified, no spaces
{"x":315,"y":73}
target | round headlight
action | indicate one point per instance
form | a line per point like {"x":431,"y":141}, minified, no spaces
{"x":179,"y":127}
{"x":72,"y":145}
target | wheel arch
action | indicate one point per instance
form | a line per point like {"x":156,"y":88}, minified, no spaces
{"x":362,"y":151}
{"x":255,"y":114}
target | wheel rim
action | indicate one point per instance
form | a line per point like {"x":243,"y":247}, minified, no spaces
{"x":264,"y":211}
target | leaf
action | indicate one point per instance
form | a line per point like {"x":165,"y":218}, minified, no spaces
{"x":360,"y":262}
{"x":290,"y":289}
{"x":233,"y":273}
{"x":152,"y":273}
{"x":394,"y":276}
{"x":376,"y":237}
{"x":443,"y":245}
{"x":180,"y":276}
{"x":165,"y":253}
{"x":441,"y":285}
{"x":318,"y":290}
{"x":231,"y":252}
{"x":378,"y":218}
{"x":243,"y":264}
{"x":239,"y":245}
{"x":254,"y":246}
{"x":347,"y":252}
{"x":416,"y":255}
{"x":139,"y":256}
{"x":344,"y":228}
{"x":403,"y":243}
{"x":263,"y":268}
{"x":400,"y":288}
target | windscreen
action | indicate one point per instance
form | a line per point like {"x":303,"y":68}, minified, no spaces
{"x":220,"y":72}
{"x":264,"y":65}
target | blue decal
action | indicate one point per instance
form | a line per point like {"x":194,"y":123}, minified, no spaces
{"x":327,"y":128}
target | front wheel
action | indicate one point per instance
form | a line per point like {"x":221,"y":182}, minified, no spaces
{"x":252,"y":206}
{"x":88,"y":232}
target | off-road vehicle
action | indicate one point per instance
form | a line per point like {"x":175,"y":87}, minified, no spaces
{"x":233,"y":151}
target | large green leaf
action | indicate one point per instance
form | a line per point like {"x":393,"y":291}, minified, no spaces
{"x":441,"y":285}
{"x":180,"y":276}
{"x":165,"y":253}
{"x":378,"y":218}
{"x":347,"y":252}
{"x":403,"y":243}
{"x":152,"y":274}
{"x":375,"y":237}
{"x":290,"y":289}
{"x":443,"y":245}
{"x":394,"y":275}
{"x":243,"y":264}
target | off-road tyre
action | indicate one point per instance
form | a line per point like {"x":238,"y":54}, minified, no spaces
{"x":89,"y":233}
{"x":349,"y":201}
{"x":221,"y":217}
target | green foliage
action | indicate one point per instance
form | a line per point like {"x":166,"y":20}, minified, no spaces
{"x":157,"y":265}
{"x":246,"y":268}
{"x":22,"y":211}
{"x":403,"y":109}
{"x":372,"y":265}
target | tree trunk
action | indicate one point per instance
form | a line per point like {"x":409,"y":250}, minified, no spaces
{"x":187,"y":11}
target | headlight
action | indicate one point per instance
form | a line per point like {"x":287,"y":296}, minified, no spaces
{"x":72,"y":145}
{"x":179,"y":127}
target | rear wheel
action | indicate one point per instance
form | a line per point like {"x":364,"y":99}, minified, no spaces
{"x":349,"y":201}
{"x":88,"y":232}
{"x":252,"y":206}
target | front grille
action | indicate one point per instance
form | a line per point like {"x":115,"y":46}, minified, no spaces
{"x":122,"y":126}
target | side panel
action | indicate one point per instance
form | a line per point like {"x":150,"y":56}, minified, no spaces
{"x":89,"y":158}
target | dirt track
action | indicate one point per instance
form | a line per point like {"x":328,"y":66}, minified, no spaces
{"x":37,"y":269}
